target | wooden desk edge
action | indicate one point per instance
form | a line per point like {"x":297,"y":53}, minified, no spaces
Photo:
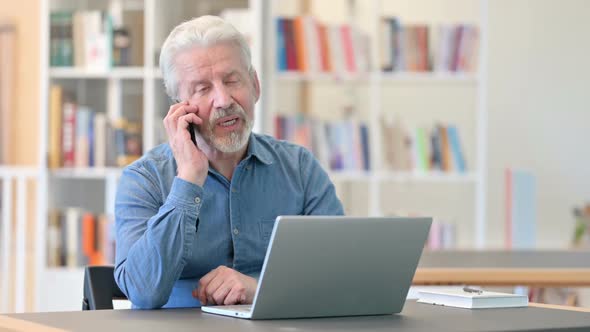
{"x":20,"y":325}
{"x":502,"y":277}
{"x":558,"y":307}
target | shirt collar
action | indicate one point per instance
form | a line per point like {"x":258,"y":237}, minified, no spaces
{"x":259,"y":150}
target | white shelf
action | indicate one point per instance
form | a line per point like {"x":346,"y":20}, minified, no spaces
{"x":443,"y":177}
{"x":338,"y":176}
{"x":86,"y":173}
{"x":435,"y":77}
{"x":118,"y":72}
{"x":18,"y":171}
{"x":408,"y":77}
{"x":297,"y":76}
{"x":411,"y":176}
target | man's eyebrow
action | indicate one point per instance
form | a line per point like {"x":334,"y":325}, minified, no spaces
{"x":231,"y":73}
{"x":199,"y":82}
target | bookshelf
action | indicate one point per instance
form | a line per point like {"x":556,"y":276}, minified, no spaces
{"x":132,"y":91}
{"x":83,"y":73}
{"x":136,"y":91}
{"x":421,"y":97}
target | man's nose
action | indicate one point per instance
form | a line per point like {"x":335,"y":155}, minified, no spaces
{"x":222,"y":98}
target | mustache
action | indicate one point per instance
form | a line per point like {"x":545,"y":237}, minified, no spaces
{"x":232,"y":110}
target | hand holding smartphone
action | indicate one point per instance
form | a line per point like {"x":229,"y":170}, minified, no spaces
{"x":192,"y":163}
{"x":191,"y":129}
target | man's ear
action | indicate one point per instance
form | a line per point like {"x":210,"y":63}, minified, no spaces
{"x":256,"y":83}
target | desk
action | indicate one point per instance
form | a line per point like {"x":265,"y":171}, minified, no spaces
{"x":414,"y":317}
{"x":505,"y":268}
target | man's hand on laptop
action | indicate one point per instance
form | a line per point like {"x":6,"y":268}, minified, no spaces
{"x":225,"y":286}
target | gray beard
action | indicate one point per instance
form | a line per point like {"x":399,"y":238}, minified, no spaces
{"x":235,"y":140}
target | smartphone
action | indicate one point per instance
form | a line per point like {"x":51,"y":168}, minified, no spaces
{"x":191,"y":130}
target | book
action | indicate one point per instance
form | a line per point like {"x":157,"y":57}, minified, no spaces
{"x":55,"y":154}
{"x":422,"y":48}
{"x":281,"y":47}
{"x":338,"y":145}
{"x":520,"y":210}
{"x":7,"y":98}
{"x":133,"y":22}
{"x":472,"y":299}
{"x":76,"y":237}
{"x":456,"y":150}
{"x":54,"y":239}
{"x":68,"y":134}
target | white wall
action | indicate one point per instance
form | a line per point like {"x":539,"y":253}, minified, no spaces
{"x":539,"y":109}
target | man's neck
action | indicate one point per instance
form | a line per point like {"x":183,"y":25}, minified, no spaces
{"x":225,"y":163}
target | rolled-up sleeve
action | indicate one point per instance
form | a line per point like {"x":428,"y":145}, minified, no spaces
{"x":154,"y":238}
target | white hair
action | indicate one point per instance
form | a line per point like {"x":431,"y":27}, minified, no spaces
{"x":202,"y":31}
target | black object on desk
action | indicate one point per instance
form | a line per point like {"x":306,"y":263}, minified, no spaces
{"x":100,"y":288}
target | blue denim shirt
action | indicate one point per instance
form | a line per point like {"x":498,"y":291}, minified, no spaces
{"x":170,"y":232}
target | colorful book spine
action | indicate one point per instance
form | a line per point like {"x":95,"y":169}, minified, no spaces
{"x":77,"y":238}
{"x":520,"y":211}
{"x":69,"y":134}
{"x":342,"y":145}
{"x":281,"y":47}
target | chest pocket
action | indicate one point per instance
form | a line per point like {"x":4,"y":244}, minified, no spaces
{"x":266,"y":226}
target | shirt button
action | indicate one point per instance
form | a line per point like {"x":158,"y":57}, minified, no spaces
{"x":197,"y":200}
{"x":248,"y":168}
{"x":236,"y":232}
{"x":234,"y":190}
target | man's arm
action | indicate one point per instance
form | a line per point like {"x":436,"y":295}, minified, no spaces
{"x":320,"y":194}
{"x":153,"y":241}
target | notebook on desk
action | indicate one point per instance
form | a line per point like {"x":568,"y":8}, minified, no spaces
{"x":461,"y":298}
{"x":335,"y":266}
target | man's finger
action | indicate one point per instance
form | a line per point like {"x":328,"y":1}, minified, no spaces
{"x":171,"y":110}
{"x":203,"y":283}
{"x":172,"y":119}
{"x":214,"y":285}
{"x":237,"y":295}
{"x":182,"y":123}
{"x":173,"y":107}
{"x":221,"y":293}
{"x":179,"y":112}
{"x":195,"y":119}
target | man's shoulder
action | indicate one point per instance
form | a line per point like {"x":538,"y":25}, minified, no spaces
{"x":280,"y":148}
{"x":154,"y":159}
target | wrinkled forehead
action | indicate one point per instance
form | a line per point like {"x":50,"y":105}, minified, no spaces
{"x":225,"y":55}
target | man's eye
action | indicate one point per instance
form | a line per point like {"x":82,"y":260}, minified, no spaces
{"x":203,"y":89}
{"x":231,"y":82}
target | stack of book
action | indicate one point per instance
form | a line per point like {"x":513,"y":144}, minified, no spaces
{"x":443,"y":235}
{"x":339,"y":145}
{"x":306,"y":45}
{"x":82,"y":137}
{"x":419,"y":48}
{"x":77,"y":238}
{"x":87,"y":38}
{"x":436,"y":149}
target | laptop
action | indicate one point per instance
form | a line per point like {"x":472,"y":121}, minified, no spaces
{"x":335,"y":266}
